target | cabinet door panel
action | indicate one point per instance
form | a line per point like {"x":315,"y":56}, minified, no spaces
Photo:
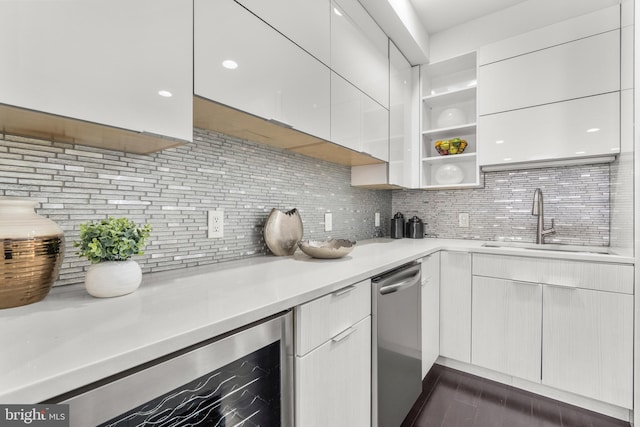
{"x":101,"y":61}
{"x":507,"y":331}
{"x":582,"y":127}
{"x":345,"y":113}
{"x":585,"y":67}
{"x":359,"y":50}
{"x":455,"y":306}
{"x":274,"y":79}
{"x":306,"y":22}
{"x":333,"y":382}
{"x":357,"y":121}
{"x":402,"y":155}
{"x":430,"y":311}
{"x":588,"y":343}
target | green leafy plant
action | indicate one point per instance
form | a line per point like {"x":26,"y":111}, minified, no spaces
{"x":112,"y":239}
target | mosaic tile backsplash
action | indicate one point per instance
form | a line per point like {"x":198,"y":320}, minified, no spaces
{"x":576,"y":197}
{"x":174,"y":189}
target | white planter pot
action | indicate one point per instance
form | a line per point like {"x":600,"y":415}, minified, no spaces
{"x":113,"y":278}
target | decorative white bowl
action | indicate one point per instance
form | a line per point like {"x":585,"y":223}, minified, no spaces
{"x":449,"y":174}
{"x":451,"y":117}
{"x":327,"y":249}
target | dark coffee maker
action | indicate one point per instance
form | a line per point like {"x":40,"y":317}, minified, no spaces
{"x":397,"y":226}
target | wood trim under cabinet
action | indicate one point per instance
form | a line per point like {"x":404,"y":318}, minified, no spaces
{"x":217,"y":117}
{"x":36,"y":124}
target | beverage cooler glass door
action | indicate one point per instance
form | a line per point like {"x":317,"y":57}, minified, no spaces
{"x":242,"y":378}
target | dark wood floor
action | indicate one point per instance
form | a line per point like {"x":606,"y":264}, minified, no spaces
{"x":451,"y":398}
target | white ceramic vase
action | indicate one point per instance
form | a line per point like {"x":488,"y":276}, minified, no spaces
{"x":283,"y":231}
{"x":113,"y":278}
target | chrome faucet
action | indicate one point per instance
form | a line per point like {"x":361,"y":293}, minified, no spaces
{"x":538,"y":210}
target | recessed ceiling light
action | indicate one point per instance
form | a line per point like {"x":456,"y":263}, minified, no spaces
{"x":500,"y":141}
{"x":593,"y":130}
{"x":336,"y":11}
{"x":230,"y":64}
{"x":165,"y":93}
{"x":506,"y":159}
{"x":580,"y":152}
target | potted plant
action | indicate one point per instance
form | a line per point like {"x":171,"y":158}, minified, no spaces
{"x":109,"y":245}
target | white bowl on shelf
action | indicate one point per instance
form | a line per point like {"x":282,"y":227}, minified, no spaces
{"x":451,"y":117}
{"x":449,"y":174}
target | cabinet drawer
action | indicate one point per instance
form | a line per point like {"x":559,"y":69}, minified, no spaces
{"x":577,"y":274}
{"x":333,"y":382}
{"x":324,"y":318}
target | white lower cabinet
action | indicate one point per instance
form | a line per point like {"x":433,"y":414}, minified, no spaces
{"x":430,"y":311}
{"x":333,"y":362}
{"x":507,"y":329}
{"x":573,"y":319}
{"x":455,"y":306}
{"x":588,"y":343}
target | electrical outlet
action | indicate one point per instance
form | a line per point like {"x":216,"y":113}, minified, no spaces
{"x":216,"y":224}
{"x":377,"y":219}
{"x":328,"y":222}
{"x":463,"y":220}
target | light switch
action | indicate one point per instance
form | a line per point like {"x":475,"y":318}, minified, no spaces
{"x":328,"y":222}
{"x":463,"y":220}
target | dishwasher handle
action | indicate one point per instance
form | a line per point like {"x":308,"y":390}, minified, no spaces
{"x":398,"y":280}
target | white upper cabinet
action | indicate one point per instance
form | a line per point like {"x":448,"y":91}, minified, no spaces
{"x":106,"y":62}
{"x":273,"y":78}
{"x":584,"y":67}
{"x":306,"y":22}
{"x":583,"y":127}
{"x":357,"y":121}
{"x":402,"y":120}
{"x":359,"y":50}
{"x":551,"y":95}
{"x":402,"y":148}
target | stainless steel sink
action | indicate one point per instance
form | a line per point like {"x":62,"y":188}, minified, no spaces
{"x":551,"y":247}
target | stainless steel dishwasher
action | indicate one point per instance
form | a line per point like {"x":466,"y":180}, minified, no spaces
{"x":397,"y":346}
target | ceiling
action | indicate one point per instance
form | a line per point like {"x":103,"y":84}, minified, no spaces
{"x":438,"y":15}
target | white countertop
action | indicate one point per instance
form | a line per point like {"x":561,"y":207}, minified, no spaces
{"x":71,"y":339}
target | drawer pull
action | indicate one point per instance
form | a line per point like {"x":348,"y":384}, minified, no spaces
{"x":553,"y":285}
{"x":517,"y":282}
{"x":342,"y":335}
{"x":343,"y":291}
